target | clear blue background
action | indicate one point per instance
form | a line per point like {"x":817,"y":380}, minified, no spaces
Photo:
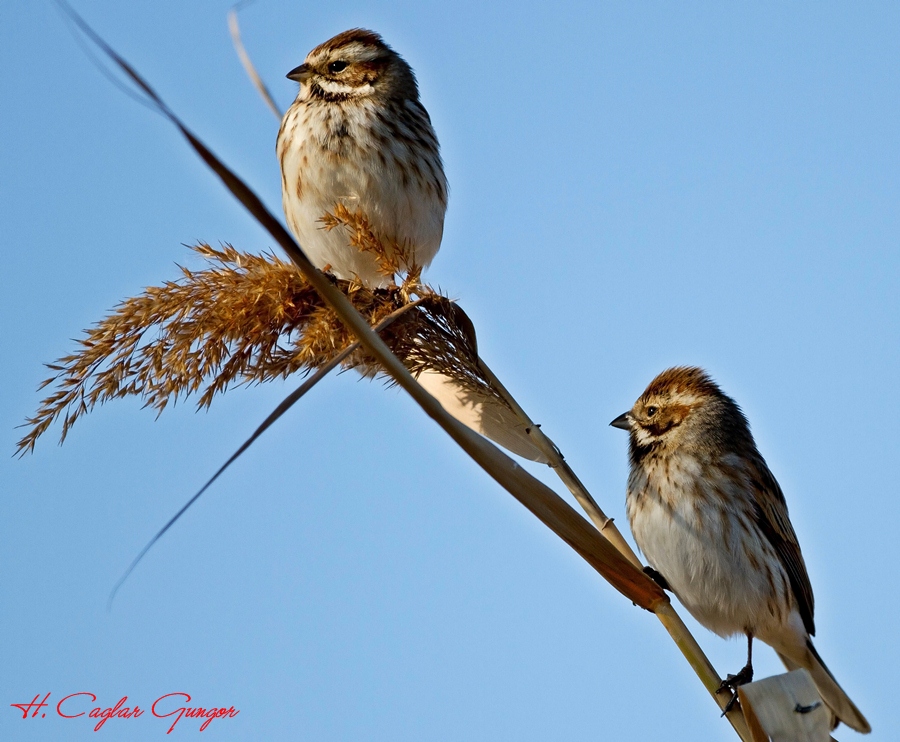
{"x":634,"y":186}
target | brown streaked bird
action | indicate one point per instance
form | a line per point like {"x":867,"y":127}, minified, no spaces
{"x":713,"y":523}
{"x":357,"y":135}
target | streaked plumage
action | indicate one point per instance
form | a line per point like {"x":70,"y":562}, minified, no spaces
{"x":711,"y":519}
{"x":358,"y":135}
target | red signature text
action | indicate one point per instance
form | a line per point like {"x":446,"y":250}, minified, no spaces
{"x":189,"y":712}
{"x":172,"y":706}
{"x":119,"y":711}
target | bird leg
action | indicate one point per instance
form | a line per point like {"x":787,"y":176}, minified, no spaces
{"x":744,"y":676}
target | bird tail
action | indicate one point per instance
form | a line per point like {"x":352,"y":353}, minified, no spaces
{"x":833,"y":695}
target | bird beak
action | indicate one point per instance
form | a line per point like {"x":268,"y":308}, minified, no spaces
{"x":300,"y":74}
{"x":623,"y":422}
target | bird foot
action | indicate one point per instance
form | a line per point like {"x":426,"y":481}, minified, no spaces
{"x":657,"y":578}
{"x":326,"y":270}
{"x":732,"y":682}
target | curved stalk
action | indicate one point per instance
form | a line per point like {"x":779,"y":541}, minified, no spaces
{"x":666,"y":614}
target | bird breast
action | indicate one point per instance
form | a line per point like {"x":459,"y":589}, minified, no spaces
{"x":696,"y":528}
{"x":384,"y":164}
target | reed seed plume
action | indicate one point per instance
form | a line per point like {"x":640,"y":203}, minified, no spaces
{"x":246,"y":319}
{"x":392,"y":258}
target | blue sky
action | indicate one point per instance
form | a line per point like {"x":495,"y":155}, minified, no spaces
{"x":633,"y":186}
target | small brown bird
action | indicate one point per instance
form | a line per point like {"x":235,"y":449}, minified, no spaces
{"x":357,"y":135}
{"x":713,"y":523}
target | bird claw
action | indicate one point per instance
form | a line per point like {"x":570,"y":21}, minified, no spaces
{"x":326,"y":271}
{"x":731,"y":701}
{"x":732,"y":682}
{"x":657,"y":578}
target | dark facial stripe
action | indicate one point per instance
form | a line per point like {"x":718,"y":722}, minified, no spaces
{"x":318,"y":93}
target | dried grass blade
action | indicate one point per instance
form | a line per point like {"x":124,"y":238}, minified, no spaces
{"x":235,"y":30}
{"x":283,"y":407}
{"x":558,"y":463}
{"x":537,"y":497}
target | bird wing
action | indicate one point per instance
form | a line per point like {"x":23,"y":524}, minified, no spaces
{"x":772,"y":518}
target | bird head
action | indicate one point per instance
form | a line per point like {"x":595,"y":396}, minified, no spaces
{"x":681,"y":406}
{"x":354,"y":64}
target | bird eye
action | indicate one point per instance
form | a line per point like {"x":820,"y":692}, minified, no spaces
{"x":651,"y":411}
{"x":337,"y":66}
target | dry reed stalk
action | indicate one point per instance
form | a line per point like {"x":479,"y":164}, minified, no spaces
{"x":575,"y":530}
{"x":250,"y":318}
{"x":670,"y":620}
